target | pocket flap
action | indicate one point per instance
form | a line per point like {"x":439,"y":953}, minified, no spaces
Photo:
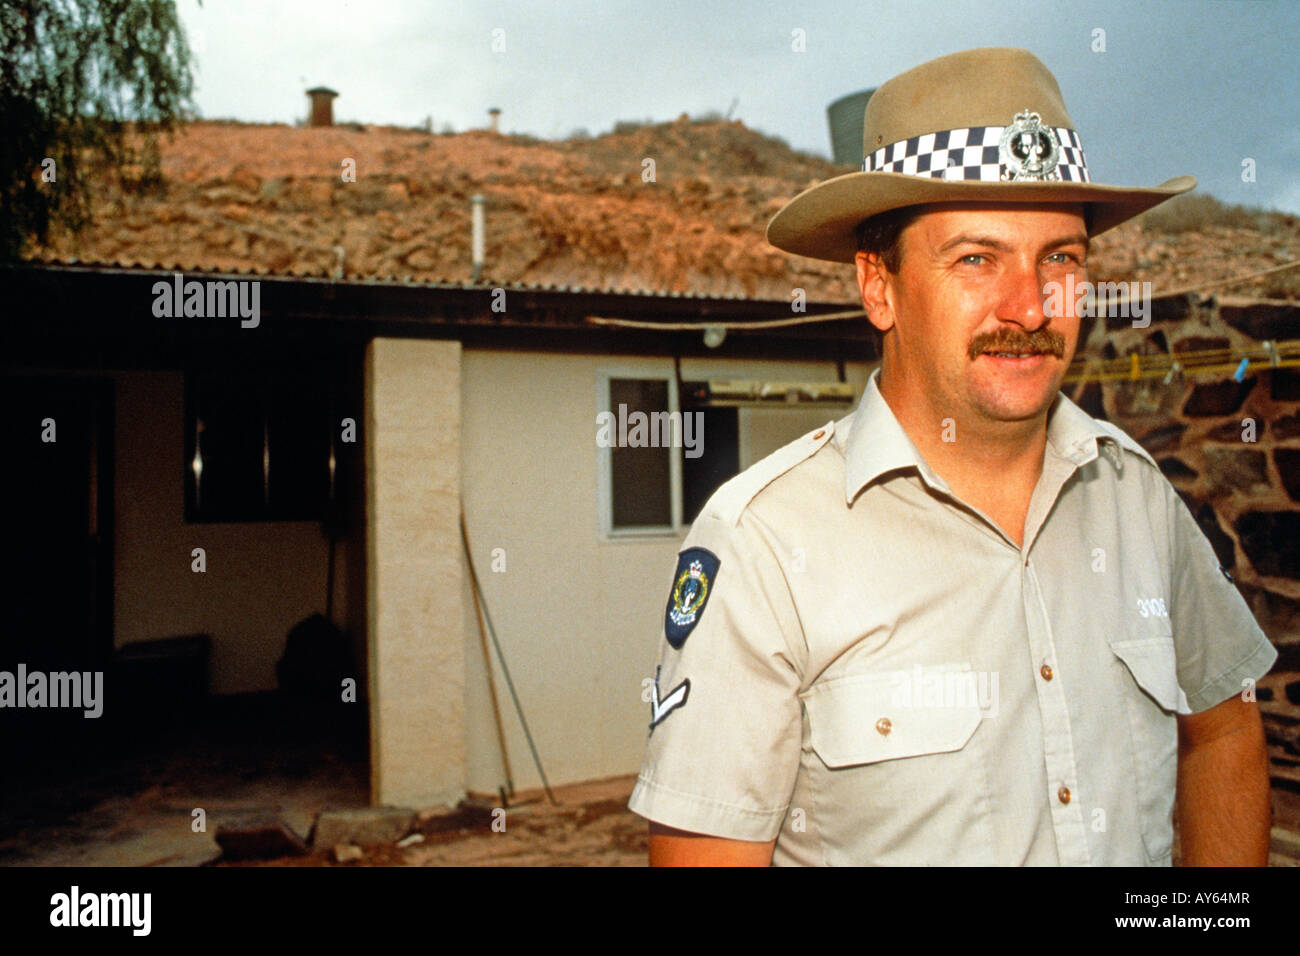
{"x":1154,"y":665}
{"x":864,"y":719}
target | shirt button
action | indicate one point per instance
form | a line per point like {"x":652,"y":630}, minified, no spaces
{"x":884,"y":726}
{"x":819,"y":434}
{"x":1046,"y":671}
{"x":1063,"y":794}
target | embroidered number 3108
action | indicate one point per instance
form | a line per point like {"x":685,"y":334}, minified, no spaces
{"x":1152,"y":607}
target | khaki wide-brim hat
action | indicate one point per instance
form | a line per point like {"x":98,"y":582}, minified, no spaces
{"x":983,"y":125}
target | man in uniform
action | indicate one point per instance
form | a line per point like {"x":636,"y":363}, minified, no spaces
{"x":968,"y":623}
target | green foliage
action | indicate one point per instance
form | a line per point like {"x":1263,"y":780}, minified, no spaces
{"x":88,"y":84}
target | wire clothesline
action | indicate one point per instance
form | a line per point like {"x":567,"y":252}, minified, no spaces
{"x":1133,"y":367}
{"x":1208,"y":362}
{"x":860,"y":313}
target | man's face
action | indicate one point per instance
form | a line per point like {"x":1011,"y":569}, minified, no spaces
{"x":967,"y":308}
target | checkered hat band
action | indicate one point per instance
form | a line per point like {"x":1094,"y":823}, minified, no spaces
{"x":969,"y":154}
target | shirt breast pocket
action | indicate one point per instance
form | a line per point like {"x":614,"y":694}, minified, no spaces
{"x":869,"y":718}
{"x":1153,"y":698}
{"x":893,"y":780}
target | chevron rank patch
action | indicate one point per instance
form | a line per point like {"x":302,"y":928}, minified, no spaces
{"x":697,"y":569}
{"x":659,"y":709}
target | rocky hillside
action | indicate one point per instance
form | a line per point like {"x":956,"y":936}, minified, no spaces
{"x":272,"y":198}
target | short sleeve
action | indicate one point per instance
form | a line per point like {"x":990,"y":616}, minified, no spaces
{"x":726,"y":728}
{"x":1219,"y":644}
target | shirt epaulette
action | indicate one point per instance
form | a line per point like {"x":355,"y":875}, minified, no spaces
{"x":1126,"y":441}
{"x":730,"y":500}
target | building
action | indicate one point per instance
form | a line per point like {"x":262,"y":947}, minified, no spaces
{"x":381,"y":412}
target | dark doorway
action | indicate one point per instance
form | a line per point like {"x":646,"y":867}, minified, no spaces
{"x":56,"y":489}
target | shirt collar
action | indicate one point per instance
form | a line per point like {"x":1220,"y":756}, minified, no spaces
{"x":877,"y":443}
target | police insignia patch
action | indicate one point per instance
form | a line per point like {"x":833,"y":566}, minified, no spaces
{"x":697,"y":569}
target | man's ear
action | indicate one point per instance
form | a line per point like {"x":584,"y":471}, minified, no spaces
{"x":873,"y":285}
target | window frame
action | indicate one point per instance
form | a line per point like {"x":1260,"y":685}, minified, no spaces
{"x":604,"y":467}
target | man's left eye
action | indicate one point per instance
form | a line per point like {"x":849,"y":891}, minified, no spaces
{"x":1062,"y":257}
{"x":973,"y":259}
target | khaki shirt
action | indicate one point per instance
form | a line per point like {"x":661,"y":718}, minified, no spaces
{"x":873,"y":673}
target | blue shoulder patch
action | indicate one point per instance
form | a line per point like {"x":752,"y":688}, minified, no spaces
{"x":697,"y":569}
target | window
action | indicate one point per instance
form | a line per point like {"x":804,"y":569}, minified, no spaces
{"x":641,"y":466}
{"x":264,"y":445}
{"x":659,"y":463}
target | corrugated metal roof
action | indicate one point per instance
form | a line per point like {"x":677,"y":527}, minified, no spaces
{"x":388,"y":280}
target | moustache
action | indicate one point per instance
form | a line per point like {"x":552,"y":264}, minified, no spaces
{"x":1045,"y":340}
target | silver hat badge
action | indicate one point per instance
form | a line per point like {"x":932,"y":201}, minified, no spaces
{"x":1028,"y":149}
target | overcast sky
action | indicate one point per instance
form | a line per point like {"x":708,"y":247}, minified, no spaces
{"x":1183,"y":86}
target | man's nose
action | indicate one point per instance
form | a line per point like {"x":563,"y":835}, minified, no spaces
{"x":1022,"y":298}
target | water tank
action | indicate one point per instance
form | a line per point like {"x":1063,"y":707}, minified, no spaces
{"x":845,"y":117}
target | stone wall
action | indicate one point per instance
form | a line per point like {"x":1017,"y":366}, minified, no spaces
{"x":1232,"y":449}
